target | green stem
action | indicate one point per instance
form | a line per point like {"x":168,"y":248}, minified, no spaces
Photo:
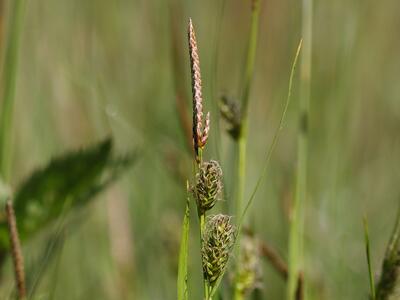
{"x":202,"y":221}
{"x":8,"y":85}
{"x":297,"y":217}
{"x":238,"y":294}
{"x":242,"y":140}
{"x":202,"y":224}
{"x":251,"y":55}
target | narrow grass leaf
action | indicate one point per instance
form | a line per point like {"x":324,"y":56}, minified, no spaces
{"x":8,"y":83}
{"x":184,"y":253}
{"x":368,"y":254}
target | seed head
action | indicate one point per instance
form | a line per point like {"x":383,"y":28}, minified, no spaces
{"x":200,"y":135}
{"x":218,"y":240}
{"x":230,"y":112}
{"x":208,"y":185}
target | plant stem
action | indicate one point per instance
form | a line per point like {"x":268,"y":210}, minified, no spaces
{"x":9,"y":75}
{"x":297,"y":215}
{"x":242,"y":140}
{"x":202,"y":221}
{"x":16,"y":251}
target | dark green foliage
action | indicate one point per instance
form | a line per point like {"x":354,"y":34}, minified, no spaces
{"x":66,"y":182}
{"x":391,"y":265}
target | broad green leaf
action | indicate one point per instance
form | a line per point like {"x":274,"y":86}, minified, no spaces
{"x":183,"y":253}
{"x":67,"y":182}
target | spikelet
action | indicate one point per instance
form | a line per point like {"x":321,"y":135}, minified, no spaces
{"x":200,"y":134}
{"x":230,"y":112}
{"x":208,"y":185}
{"x":218,"y":240}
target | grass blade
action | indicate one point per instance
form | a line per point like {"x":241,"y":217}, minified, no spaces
{"x":183,"y":253}
{"x":9,"y":76}
{"x":367,"y":251}
{"x":275,"y":139}
{"x":297,"y":216}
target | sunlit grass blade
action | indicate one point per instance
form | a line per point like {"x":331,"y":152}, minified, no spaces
{"x":368,"y":254}
{"x":183,"y":253}
{"x":8,"y":83}
{"x":275,"y":138}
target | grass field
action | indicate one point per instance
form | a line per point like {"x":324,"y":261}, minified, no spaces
{"x":88,"y":70}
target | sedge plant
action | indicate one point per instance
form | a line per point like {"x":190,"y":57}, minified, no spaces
{"x":217,"y":233}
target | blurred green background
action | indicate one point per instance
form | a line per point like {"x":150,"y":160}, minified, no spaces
{"x":95,"y":68}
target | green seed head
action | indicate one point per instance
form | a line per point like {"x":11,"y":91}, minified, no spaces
{"x":218,"y":240}
{"x":208,"y":185}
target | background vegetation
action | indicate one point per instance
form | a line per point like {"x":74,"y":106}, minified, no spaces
{"x":92,"y":69}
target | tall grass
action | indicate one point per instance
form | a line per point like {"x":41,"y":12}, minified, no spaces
{"x":124,"y":46}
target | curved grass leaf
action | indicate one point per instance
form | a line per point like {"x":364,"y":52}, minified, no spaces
{"x":274,"y":141}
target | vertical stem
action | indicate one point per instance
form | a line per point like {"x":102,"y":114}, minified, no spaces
{"x":16,"y":252}
{"x":242,"y":140}
{"x":297,"y":215}
{"x":202,"y":219}
{"x":8,"y":85}
{"x":202,"y":222}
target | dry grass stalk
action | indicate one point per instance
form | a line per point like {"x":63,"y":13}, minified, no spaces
{"x":281,"y":267}
{"x":16,"y":252}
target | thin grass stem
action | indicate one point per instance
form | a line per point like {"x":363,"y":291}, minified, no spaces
{"x":368,"y":254}
{"x":297,"y":214}
{"x":242,"y":140}
{"x":274,"y":140}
